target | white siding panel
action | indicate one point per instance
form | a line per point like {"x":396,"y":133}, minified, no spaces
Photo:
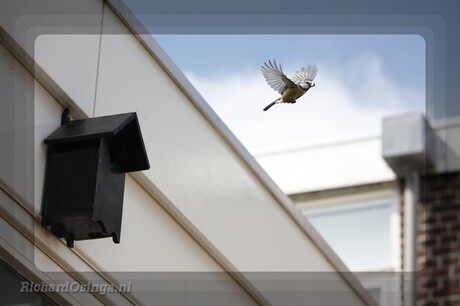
{"x":16,"y":131}
{"x":150,"y":240}
{"x":71,"y":60}
{"x":47,"y":119}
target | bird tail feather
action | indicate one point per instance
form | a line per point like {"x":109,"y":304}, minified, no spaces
{"x":271,"y":104}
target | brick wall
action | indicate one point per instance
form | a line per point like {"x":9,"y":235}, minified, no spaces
{"x":438,"y":246}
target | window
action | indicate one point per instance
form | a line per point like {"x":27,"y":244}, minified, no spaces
{"x":359,"y":234}
{"x":363,"y":228}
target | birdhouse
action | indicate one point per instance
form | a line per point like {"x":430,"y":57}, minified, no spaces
{"x":86,"y":163}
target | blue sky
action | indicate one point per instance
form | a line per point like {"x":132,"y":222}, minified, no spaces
{"x":361,"y":79}
{"x":222,"y":54}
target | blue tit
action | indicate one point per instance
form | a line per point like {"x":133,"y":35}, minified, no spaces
{"x":290,"y":89}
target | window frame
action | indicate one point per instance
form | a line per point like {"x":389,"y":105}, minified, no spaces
{"x":352,"y":198}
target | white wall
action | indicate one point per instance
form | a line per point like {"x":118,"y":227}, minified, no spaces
{"x":328,"y":166}
{"x":78,"y":76}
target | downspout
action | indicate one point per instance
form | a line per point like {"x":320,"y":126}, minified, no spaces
{"x":411,"y":197}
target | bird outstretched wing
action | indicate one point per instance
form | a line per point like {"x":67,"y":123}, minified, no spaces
{"x":275,"y":77}
{"x":305,"y":74}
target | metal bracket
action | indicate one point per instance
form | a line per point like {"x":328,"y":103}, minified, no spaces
{"x":65,"y":117}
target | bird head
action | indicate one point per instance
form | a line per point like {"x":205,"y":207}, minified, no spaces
{"x":306,"y":84}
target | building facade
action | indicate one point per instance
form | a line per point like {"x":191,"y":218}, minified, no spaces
{"x":203,"y":225}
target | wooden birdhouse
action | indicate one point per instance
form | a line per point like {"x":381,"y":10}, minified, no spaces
{"x":86,"y":163}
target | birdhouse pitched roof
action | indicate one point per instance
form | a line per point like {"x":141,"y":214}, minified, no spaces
{"x":123,"y":128}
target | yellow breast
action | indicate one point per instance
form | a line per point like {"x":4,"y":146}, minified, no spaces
{"x":292,"y":94}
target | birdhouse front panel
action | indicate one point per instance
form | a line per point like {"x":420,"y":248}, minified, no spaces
{"x":83,"y":196}
{"x":71,"y":172}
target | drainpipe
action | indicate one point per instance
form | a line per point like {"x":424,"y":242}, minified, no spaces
{"x":411,"y":198}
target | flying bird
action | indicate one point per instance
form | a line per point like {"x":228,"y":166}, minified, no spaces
{"x":290,"y":89}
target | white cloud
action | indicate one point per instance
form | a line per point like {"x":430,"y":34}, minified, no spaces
{"x":343,"y":105}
